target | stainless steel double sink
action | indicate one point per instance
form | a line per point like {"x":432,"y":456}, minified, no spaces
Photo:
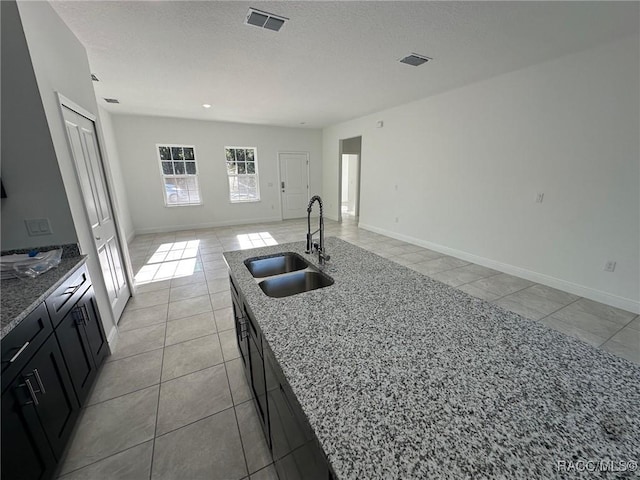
{"x":286,"y":274}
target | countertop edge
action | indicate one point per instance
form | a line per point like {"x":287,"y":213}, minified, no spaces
{"x":7,"y":328}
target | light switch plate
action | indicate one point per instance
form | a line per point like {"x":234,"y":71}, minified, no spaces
{"x":38,"y":226}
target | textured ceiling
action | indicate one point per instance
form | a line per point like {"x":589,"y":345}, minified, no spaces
{"x":330,"y":62}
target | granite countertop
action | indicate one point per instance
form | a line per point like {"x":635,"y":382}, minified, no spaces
{"x":401,"y":376}
{"x":19,"y":297}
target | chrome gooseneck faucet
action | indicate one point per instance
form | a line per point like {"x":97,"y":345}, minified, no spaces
{"x":311,"y":246}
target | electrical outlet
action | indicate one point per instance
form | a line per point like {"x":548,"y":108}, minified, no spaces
{"x":610,"y":266}
{"x":38,"y":226}
{"x":539,"y":197}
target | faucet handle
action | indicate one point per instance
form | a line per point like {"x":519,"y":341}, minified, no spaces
{"x":309,"y":243}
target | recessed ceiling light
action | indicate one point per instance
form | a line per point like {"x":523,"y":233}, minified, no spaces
{"x":112,"y":100}
{"x":415,"y":60}
{"x":261,"y":19}
{"x":206,"y":105}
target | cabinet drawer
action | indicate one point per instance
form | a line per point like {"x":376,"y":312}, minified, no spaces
{"x":64,"y":298}
{"x":22,"y":342}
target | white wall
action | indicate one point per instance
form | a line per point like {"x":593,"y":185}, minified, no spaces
{"x":353,"y":182}
{"x":30,"y":171}
{"x":119,"y":193}
{"x":60,"y":64}
{"x":345,"y":179}
{"x":137,"y":136}
{"x":461,"y":171}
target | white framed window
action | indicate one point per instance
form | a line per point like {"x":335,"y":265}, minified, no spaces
{"x":179,"y":175}
{"x":242,"y":173}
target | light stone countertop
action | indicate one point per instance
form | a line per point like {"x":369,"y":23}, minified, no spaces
{"x":401,"y":376}
{"x":20,"y":297}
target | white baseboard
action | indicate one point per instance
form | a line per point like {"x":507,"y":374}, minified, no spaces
{"x":627,"y":304}
{"x":112,"y":338}
{"x":131,"y":236}
{"x":199,"y":226}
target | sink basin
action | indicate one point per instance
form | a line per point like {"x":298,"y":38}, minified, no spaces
{"x":298,"y":282}
{"x":285,"y":263}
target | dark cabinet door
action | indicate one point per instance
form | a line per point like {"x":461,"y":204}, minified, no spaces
{"x":77,"y":355}
{"x":258,"y":385}
{"x":83,"y":344}
{"x":296,"y":453}
{"x":25,"y":450}
{"x":46,"y":382}
{"x":242,"y":335}
{"x":93,"y":328}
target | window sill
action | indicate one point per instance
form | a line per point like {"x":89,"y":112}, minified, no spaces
{"x":184,"y":205}
{"x":233,"y":202}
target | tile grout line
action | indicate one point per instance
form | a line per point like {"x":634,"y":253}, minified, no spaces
{"x":61,"y":477}
{"x":155,"y":429}
{"x":160,"y":382}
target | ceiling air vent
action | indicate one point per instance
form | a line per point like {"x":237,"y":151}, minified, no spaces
{"x":94,"y":78}
{"x":261,"y":19}
{"x":415,"y":60}
{"x":112,"y":100}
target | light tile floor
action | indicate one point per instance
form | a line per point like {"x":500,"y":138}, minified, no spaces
{"x":172,"y":401}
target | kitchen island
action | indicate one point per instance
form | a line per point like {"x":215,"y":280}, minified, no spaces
{"x":401,"y":376}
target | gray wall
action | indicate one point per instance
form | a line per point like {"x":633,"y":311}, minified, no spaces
{"x":61,"y":65}
{"x":30,"y":171}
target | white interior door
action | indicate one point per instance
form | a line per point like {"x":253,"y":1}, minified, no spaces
{"x":294,"y":183}
{"x":86,"y":154}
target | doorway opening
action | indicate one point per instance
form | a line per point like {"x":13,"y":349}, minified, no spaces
{"x":349,"y":180}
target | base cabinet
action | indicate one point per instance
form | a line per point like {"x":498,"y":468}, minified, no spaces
{"x":294,"y":448}
{"x":39,"y":409}
{"x":25,"y":450}
{"x":49,"y":363}
{"x":296,"y":453}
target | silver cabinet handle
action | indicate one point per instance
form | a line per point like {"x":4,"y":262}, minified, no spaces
{"x":37,"y":375}
{"x":243,"y":328}
{"x":85,"y":315}
{"x":32,"y":394}
{"x":72,"y":290}
{"x":15,"y":357}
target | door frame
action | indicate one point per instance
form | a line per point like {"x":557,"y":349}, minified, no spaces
{"x":340,"y":199}
{"x":340,"y":153}
{"x":90,"y":247}
{"x":308,"y":155}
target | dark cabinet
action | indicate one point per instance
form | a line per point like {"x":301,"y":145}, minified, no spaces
{"x":23,"y":341}
{"x":294,"y":448}
{"x":39,"y":410}
{"x":258,"y":384}
{"x":83,"y":343}
{"x":250,"y":345}
{"x":49,"y":363}
{"x":26,"y":453}
{"x":242,"y":335}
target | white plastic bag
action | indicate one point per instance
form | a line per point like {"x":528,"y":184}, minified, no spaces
{"x":39,"y":264}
